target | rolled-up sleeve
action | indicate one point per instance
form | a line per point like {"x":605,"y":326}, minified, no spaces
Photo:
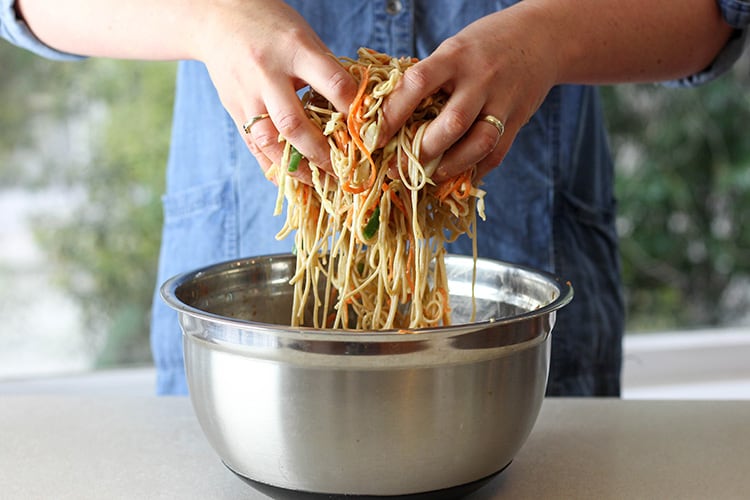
{"x":17,"y":32}
{"x":737,"y":14}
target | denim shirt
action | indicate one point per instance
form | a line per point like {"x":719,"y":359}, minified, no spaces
{"x":550,"y":205}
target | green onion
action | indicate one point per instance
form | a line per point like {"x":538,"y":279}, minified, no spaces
{"x":373,"y":224}
{"x":294,"y":159}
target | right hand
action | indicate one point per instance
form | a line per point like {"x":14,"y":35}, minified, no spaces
{"x":259,"y":53}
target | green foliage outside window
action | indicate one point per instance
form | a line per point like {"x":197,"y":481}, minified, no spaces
{"x":683,"y":184}
{"x":105,"y":247}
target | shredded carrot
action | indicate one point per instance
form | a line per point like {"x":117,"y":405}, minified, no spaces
{"x":314,"y":213}
{"x":352,"y":123}
{"x":456,"y":186}
{"x":394,"y":198}
{"x":347,"y":187}
{"x":463,"y":190}
{"x":372,"y":284}
{"x":329,"y":320}
{"x":446,"y":304}
{"x":341,"y":138}
{"x":397,"y":201}
{"x":444,"y":189}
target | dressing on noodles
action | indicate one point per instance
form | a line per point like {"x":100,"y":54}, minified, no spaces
{"x":370,"y":241}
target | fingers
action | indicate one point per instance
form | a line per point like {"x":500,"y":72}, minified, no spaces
{"x":483,"y":145}
{"x":492,"y":67}
{"x":454,"y":122}
{"x":458,"y":137}
{"x":264,"y":161}
{"x":287,"y":117}
{"x":496,"y":156}
{"x":461,"y":136}
{"x":261,"y":68}
{"x":268,"y":150}
{"x":329,"y":78}
{"x":289,"y":120}
{"x":323,"y":72}
{"x":418,"y":81}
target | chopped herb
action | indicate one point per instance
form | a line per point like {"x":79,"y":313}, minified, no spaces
{"x":373,"y":224}
{"x":294,"y":159}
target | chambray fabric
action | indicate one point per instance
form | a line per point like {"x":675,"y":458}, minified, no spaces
{"x":17,"y":32}
{"x":550,"y":205}
{"x":736,"y":12}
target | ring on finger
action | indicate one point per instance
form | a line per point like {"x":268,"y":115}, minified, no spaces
{"x":252,"y":121}
{"x":495,"y":122}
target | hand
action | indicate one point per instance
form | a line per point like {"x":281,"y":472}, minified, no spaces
{"x":499,"y":65}
{"x":259,"y":53}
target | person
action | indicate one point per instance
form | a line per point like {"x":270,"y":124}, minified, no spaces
{"x":531,"y":66}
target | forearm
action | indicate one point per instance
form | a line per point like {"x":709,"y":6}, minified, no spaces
{"x":596,"y":41}
{"x":132,"y":29}
{"x":258,"y":53}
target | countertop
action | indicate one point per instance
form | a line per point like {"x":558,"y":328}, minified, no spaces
{"x":141,"y":447}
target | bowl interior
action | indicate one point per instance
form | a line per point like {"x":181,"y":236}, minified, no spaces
{"x":257,"y":290}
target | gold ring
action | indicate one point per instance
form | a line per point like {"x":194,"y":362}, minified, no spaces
{"x":252,"y":121}
{"x":495,"y":122}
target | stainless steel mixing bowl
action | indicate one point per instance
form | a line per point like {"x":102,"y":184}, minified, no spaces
{"x":365,"y":413}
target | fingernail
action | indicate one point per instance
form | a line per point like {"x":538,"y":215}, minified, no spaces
{"x":325,"y":165}
{"x":441,"y":172}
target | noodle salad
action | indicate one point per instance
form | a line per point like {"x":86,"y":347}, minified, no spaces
{"x":370,"y":241}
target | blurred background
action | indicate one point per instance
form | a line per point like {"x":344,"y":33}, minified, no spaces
{"x":82,"y":153}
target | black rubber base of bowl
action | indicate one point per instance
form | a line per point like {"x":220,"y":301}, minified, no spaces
{"x":452,"y":493}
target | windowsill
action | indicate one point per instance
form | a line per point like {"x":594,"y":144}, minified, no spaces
{"x":701,"y":364}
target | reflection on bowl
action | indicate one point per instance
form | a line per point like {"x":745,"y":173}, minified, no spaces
{"x":365,"y":413}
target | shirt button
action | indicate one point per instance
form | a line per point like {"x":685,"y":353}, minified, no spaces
{"x":393,"y":7}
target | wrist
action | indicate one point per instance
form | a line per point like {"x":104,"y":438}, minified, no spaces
{"x":205,"y":30}
{"x":555,"y":52}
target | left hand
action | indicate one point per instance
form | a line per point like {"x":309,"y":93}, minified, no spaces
{"x":500,"y":65}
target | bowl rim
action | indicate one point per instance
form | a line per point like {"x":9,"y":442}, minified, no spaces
{"x":168,"y":292}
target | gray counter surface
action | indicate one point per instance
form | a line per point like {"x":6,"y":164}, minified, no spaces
{"x":87,"y":446}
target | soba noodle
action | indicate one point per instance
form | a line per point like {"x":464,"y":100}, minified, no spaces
{"x":370,"y":241}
